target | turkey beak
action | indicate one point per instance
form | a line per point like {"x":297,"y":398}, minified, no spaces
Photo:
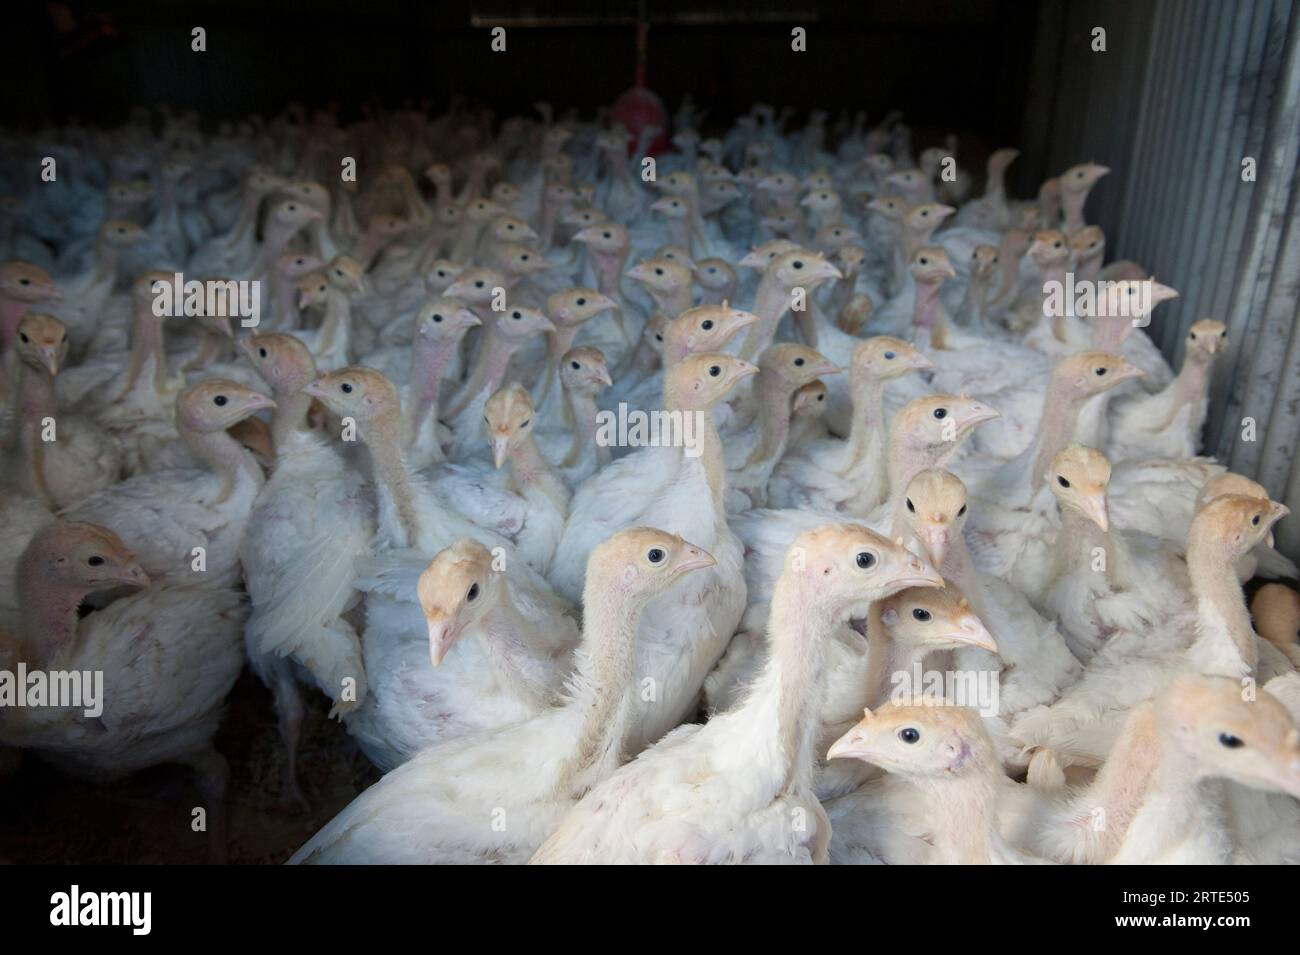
{"x":826,"y":367}
{"x":736,"y":320}
{"x":133,"y":575}
{"x":1129,"y":371}
{"x":944,"y":212}
{"x":976,"y":414}
{"x":258,"y":402}
{"x":916,"y":573}
{"x":49,"y":355}
{"x":971,"y":632}
{"x":1095,"y":509}
{"x":56,"y":294}
{"x":442,"y":634}
{"x":934,"y":538}
{"x":745,"y":369}
{"x":500,"y":449}
{"x":1161,"y":292}
{"x":605,"y":302}
{"x":315,"y":389}
{"x":693,"y":558}
{"x":946,"y":270}
{"x":602,"y":376}
{"x":852,"y":745}
{"x":922,"y":363}
{"x":529,"y":234}
{"x":1279,"y":511}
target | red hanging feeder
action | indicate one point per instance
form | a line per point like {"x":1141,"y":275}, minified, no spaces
{"x":638,"y":108}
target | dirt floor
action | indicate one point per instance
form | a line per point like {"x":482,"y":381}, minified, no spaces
{"x":49,"y":818}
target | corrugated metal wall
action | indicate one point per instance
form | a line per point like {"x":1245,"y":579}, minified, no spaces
{"x":1187,"y":90}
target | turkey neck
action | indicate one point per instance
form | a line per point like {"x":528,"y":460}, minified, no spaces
{"x":842,"y":293}
{"x":608,"y":267}
{"x":885,"y":657}
{"x":429,"y":362}
{"x":781,"y":713}
{"x":557,"y":343}
{"x":287,"y":316}
{"x":1055,"y":428}
{"x":291,"y":407}
{"x":1010,"y":272}
{"x":247,"y":217}
{"x":35,"y":403}
{"x":709,"y":444}
{"x":925,"y":312}
{"x":489,"y":370}
{"x":673,"y":302}
{"x":971,"y":309}
{"x":224,"y":455}
{"x":606,"y":672}
{"x":1225,"y":641}
{"x":336,"y":326}
{"x":146,"y":348}
{"x":274,"y":242}
{"x":515,"y":661}
{"x":1072,"y":203}
{"x":399,"y":518}
{"x":962,"y":811}
{"x":1192,"y":384}
{"x":529,"y":470}
{"x":1085,"y":536}
{"x":774,"y":394}
{"x":868,"y":394}
{"x":583,"y":410}
{"x":49,"y":615}
{"x":960,"y":569}
{"x":770,"y":303}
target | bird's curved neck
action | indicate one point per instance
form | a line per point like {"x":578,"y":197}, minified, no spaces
{"x":606,"y":673}
{"x":773,"y":395}
{"x":399,"y":518}
{"x":770,"y":303}
{"x":49,"y":617}
{"x":782,"y":711}
{"x":1225,"y":639}
{"x":36,"y":403}
{"x":224,"y":455}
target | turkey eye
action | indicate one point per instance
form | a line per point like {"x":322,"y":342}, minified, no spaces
{"x":478,"y":284}
{"x":516,"y":315}
{"x":525,"y":423}
{"x":1062,"y":481}
{"x":23,"y":336}
{"x":524,"y":258}
{"x":706,"y":324}
{"x":574,"y":365}
{"x":1230,"y":741}
{"x":909,"y":734}
{"x":291,"y":209}
{"x":437,"y":319}
{"x":921,"y":615}
{"x":1056,"y":245}
{"x":581,"y":301}
{"x":910,"y":506}
{"x":1100,"y":372}
{"x":889,"y":356}
{"x":473,"y":593}
{"x":866,"y":559}
{"x":714,"y":371}
{"x":345,"y":388}
{"x":262,"y":352}
{"x":510,"y":227}
{"x":659,"y":271}
{"x":24,"y":281}
{"x":1192,"y":335}
{"x":1254,"y":521}
{"x":796,"y":264}
{"x":798,"y":362}
{"x":604,"y":235}
{"x":95,"y":561}
{"x":711,"y":270}
{"x":940,"y":413}
{"x":655,"y":555}
{"x":924,"y":213}
{"x":924,"y":261}
{"x":658,"y":337}
{"x":961,"y":511}
{"x":220,"y":401}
